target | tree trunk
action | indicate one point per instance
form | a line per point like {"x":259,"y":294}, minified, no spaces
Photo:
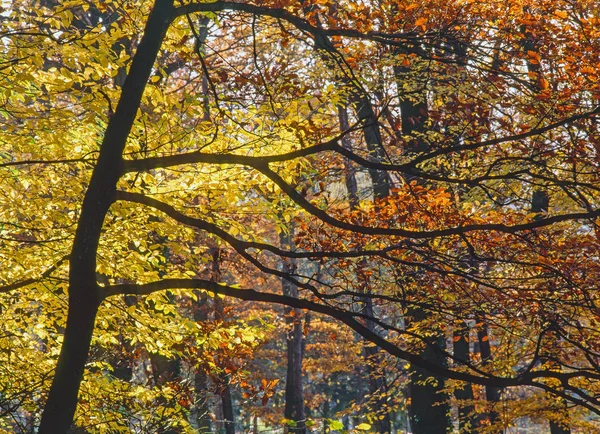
{"x":84,"y":294}
{"x":429,"y":407}
{"x":223,"y":389}
{"x":467,"y":422}
{"x":492,"y":394}
{"x":540,"y":199}
{"x":377,"y":386}
{"x":349,"y":169}
{"x":62,"y":399}
{"x":294,"y":394}
{"x":227,"y":406}
{"x":200,"y":414}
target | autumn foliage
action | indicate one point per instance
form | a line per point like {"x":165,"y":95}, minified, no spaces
{"x":407,"y":190}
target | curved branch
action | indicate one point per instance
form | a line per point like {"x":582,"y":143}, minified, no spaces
{"x":457,"y":230}
{"x":347,"y":318}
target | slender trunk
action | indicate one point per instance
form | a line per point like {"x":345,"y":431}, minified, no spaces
{"x":492,"y":394}
{"x":377,"y":386}
{"x":200,"y":414}
{"x":364,"y":111}
{"x":540,"y":199}
{"x":294,"y":394}
{"x":201,"y":408}
{"x":380,"y":182}
{"x":429,"y":407}
{"x":349,"y":169}
{"x":227,"y":406}
{"x":223,"y":387}
{"x":467,"y":422}
{"x":363,"y":108}
{"x":84,"y":294}
{"x":372,"y":354}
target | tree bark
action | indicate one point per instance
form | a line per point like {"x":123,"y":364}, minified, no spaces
{"x":429,"y":407}
{"x":540,"y":199}
{"x":377,"y":386}
{"x":62,"y":399}
{"x":294,"y":394}
{"x":467,"y":422}
{"x":349,"y":169}
{"x":200,"y":414}
{"x":84,"y":293}
{"x":492,"y":394}
{"x":223,"y":389}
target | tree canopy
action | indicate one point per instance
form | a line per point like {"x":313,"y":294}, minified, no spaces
{"x":423,"y":176}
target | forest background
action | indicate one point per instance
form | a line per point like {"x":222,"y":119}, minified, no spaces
{"x":314,"y":216}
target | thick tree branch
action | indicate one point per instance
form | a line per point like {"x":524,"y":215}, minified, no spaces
{"x":347,"y":318}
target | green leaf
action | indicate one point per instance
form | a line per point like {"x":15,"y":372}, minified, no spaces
{"x":335,"y":424}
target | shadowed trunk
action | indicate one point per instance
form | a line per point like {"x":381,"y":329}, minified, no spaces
{"x":349,"y":169}
{"x":294,"y":394}
{"x":429,"y":407}
{"x":84,"y":294}
{"x":492,"y":394}
{"x":223,"y":388}
{"x":467,"y":422}
{"x":540,"y":199}
{"x":200,"y":413}
{"x":62,"y":399}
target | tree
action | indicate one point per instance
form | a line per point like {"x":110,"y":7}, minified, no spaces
{"x":107,"y":174}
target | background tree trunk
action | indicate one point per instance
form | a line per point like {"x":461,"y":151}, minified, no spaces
{"x":467,"y":422}
{"x":294,"y":394}
{"x":429,"y":407}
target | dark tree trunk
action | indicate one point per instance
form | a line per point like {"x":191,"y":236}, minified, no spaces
{"x":492,"y":394}
{"x":429,"y":407}
{"x":364,"y":111}
{"x":380,"y":180}
{"x":223,"y":388}
{"x":62,"y":399}
{"x":200,"y":414}
{"x":381,"y":189}
{"x":84,"y":293}
{"x":377,"y":386}
{"x":363,"y":108}
{"x":467,"y":422}
{"x":540,"y":199}
{"x":294,"y":394}
{"x":559,"y":429}
{"x":227,"y":405}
